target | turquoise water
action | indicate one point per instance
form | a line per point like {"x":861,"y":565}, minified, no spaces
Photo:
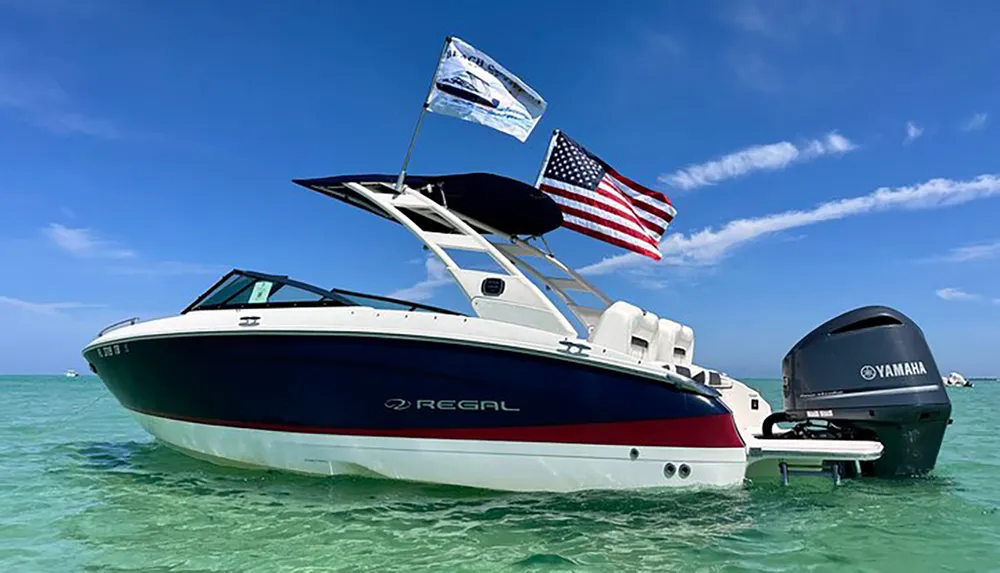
{"x":82,"y":488}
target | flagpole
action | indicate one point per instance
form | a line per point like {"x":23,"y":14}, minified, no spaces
{"x":420,"y":118}
{"x":541,"y":173}
{"x":548,"y":153}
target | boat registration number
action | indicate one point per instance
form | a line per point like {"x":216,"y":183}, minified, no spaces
{"x":112,"y":350}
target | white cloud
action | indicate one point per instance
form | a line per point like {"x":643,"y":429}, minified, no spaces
{"x":42,"y":102}
{"x":17,"y":92}
{"x":49,"y":308}
{"x":749,"y":17}
{"x":73,"y":123}
{"x":788,"y":22}
{"x":957,"y":294}
{"x":83,"y":242}
{"x":437,"y":276}
{"x":913,"y":131}
{"x":756,"y":72}
{"x":772,"y":157}
{"x":709,"y":246}
{"x":645,"y":277}
{"x":975,"y":122}
{"x":662,"y":45}
{"x":982,"y":251}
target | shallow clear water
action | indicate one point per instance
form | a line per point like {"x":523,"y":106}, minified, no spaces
{"x":83,"y":488}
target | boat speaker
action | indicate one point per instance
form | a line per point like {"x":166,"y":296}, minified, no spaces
{"x":492,"y":286}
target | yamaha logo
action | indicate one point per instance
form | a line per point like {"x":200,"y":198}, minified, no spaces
{"x":893,"y":370}
{"x":397,"y":404}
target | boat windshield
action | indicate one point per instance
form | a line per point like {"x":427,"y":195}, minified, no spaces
{"x":248,"y":289}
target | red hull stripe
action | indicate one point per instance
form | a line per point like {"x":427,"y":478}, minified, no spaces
{"x":712,"y":431}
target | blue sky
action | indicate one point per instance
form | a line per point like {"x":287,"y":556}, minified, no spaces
{"x":821,"y":155}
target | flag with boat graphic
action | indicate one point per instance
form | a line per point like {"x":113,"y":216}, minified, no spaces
{"x":472,"y":86}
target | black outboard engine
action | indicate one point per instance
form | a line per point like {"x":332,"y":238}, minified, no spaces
{"x":868,"y":375}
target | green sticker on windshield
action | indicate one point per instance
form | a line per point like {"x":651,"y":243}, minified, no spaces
{"x":261,"y":290}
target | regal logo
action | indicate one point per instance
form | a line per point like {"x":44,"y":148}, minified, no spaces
{"x":466,"y":405}
{"x":892,"y":370}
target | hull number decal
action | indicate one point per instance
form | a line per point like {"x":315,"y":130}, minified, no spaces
{"x":112,"y":350}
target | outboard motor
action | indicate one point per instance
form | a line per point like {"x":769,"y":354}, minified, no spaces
{"x":868,"y":374}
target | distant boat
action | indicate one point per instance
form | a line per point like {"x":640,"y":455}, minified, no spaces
{"x":957,"y":380}
{"x":72,"y":373}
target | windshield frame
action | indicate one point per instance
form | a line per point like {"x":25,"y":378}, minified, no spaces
{"x":329,"y":297}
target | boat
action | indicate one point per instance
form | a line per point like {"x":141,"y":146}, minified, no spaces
{"x":72,"y":373}
{"x":535,"y":390}
{"x":956,"y":380}
{"x":466,"y":86}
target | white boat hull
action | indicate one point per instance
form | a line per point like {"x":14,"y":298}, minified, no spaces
{"x":509,"y":466}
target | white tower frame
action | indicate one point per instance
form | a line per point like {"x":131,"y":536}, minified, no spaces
{"x":521,"y":301}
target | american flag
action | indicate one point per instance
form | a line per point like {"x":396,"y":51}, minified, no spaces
{"x":599,"y":202}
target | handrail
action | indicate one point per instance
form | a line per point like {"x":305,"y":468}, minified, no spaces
{"x":119,"y":324}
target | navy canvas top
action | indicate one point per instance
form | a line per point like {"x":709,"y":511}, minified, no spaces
{"x":508,"y":205}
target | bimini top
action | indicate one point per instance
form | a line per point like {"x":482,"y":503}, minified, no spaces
{"x":505,"y":204}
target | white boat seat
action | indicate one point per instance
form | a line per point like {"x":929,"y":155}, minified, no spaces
{"x":627,"y":329}
{"x":675,"y":343}
{"x":641,"y":334}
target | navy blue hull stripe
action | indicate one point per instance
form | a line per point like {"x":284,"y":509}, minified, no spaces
{"x":378,"y":384}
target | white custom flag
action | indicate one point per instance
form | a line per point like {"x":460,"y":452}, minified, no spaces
{"x":472,"y":86}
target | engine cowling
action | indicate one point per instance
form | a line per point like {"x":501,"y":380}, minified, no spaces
{"x":871,"y":375}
